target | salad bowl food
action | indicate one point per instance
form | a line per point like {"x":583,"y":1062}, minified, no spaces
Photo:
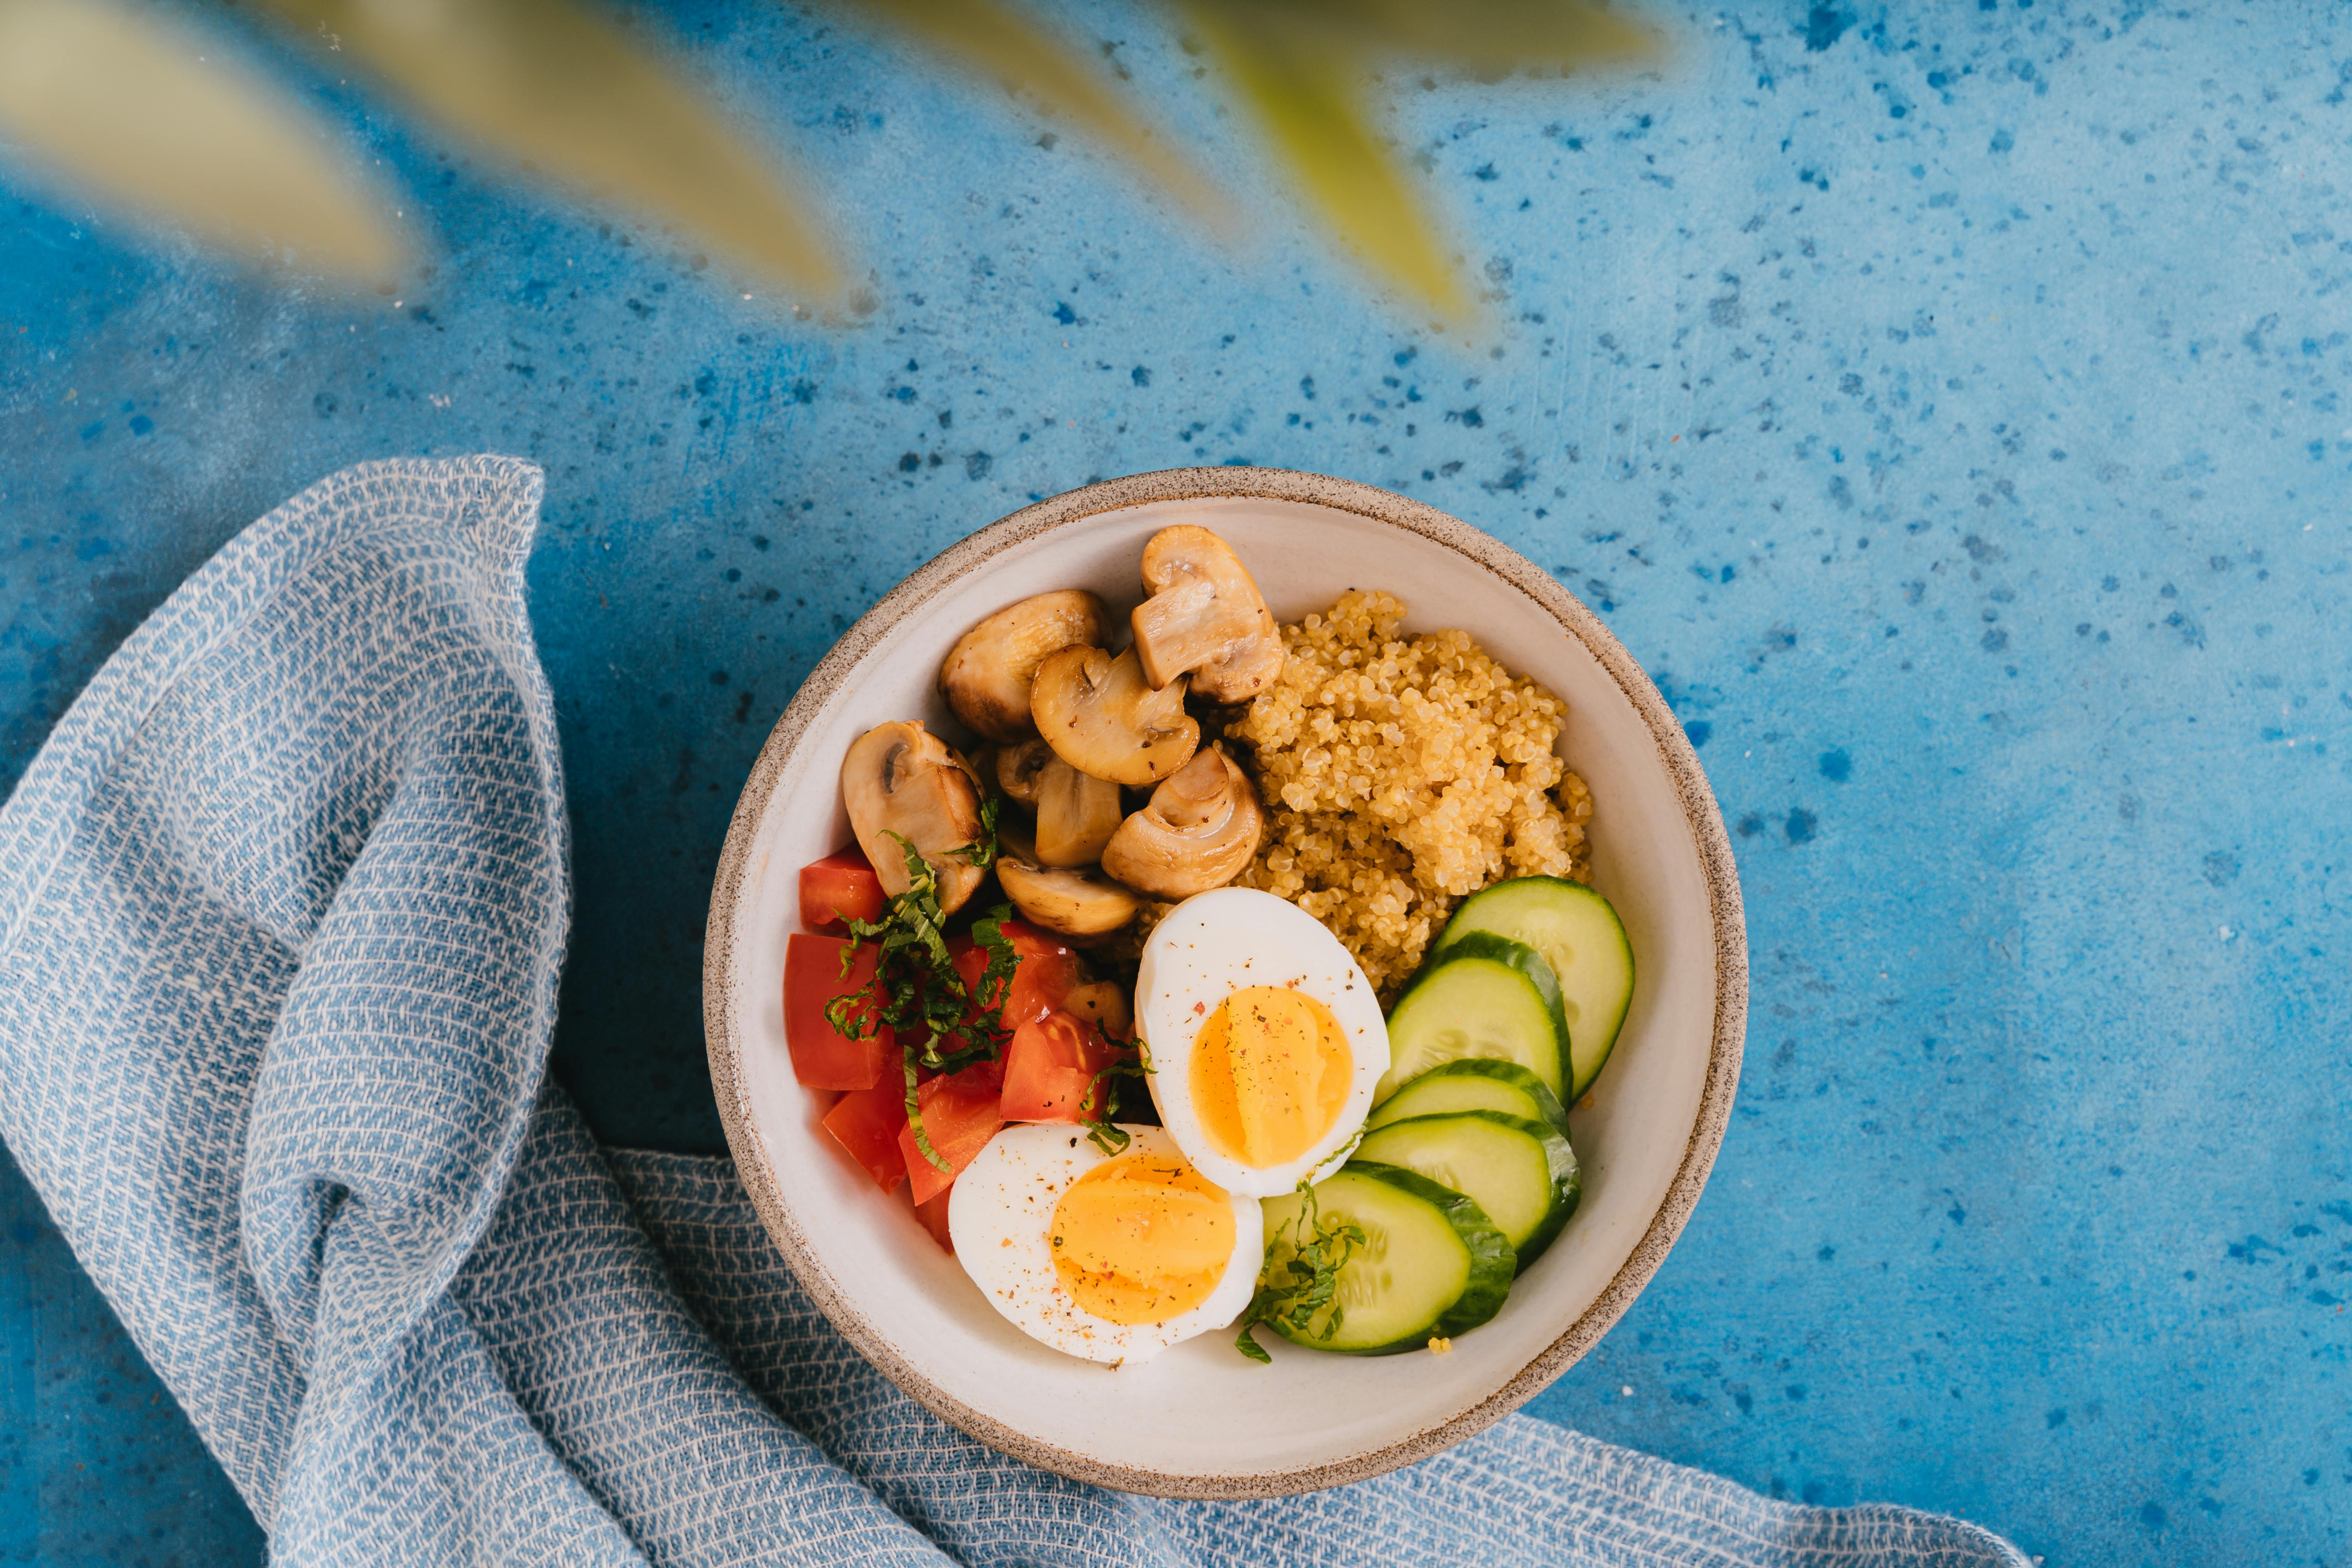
{"x":1196,"y":1417}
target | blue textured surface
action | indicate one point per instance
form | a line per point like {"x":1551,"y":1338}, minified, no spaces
{"x":1946,"y":410}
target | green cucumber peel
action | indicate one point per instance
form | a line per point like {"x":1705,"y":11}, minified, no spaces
{"x":1491,"y":1069}
{"x":1578,"y":930}
{"x":1560,"y":1161}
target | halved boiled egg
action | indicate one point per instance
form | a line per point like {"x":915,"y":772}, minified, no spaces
{"x":1109,"y":1257}
{"x":1265,"y":1039}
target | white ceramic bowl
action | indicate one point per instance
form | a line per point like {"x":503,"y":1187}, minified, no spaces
{"x":1201,"y":1420}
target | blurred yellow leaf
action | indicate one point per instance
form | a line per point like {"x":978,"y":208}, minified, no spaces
{"x":1489,"y":35}
{"x":549,"y":86}
{"x":989,"y":39}
{"x":126,"y":108}
{"x":1306,"y":98}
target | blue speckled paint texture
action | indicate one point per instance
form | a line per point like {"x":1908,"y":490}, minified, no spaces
{"x":1948,"y":409}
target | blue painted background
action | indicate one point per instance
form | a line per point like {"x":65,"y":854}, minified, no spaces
{"x":1948,"y":409}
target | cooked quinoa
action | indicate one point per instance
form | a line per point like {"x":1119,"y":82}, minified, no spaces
{"x":1402,"y":773}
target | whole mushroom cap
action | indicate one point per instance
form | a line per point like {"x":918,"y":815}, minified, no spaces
{"x":902,"y":779}
{"x":1102,"y":719}
{"x":986,"y":675}
{"x":1204,"y":617}
{"x":1197,"y":832}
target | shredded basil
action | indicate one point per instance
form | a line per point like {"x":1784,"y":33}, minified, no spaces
{"x":1102,"y":1094}
{"x":1289,"y":1294}
{"x":982,"y":850}
{"x":916,"y":990}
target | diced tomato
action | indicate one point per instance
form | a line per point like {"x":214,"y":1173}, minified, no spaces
{"x":1047,"y":971}
{"x":841,"y":887}
{"x":822,"y":1058}
{"x":971,"y":960}
{"x":933,"y":1215}
{"x":959,"y":1116}
{"x":866,"y":1123}
{"x":1043,"y":977}
{"x":1050,"y":1068}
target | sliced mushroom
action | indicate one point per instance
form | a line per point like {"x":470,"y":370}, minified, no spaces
{"x":1100,"y":717}
{"x":1077,"y":902}
{"x":1017,"y":768}
{"x":1205,"y":616}
{"x":1199,"y":830}
{"x":902,"y":779}
{"x":1076,"y":814}
{"x":987,"y":673}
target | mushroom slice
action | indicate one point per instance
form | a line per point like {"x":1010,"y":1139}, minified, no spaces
{"x":1198,"y":831}
{"x":1079,"y":903}
{"x":1076,"y":814}
{"x":987,"y":673}
{"x":1100,"y":717}
{"x":902,"y":779}
{"x":1204,"y":616}
{"x":1018,"y":767}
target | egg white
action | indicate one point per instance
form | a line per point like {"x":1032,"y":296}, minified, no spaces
{"x":1000,"y":1217}
{"x":1211,"y":946}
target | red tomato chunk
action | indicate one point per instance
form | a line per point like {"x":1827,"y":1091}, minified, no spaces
{"x":1043,"y":977}
{"x":959,"y":1116}
{"x":822,"y":1058}
{"x":1048,"y":1065}
{"x":1050,"y":1068}
{"x":866,"y":1123}
{"x":841,"y":887}
{"x":933,"y":1214}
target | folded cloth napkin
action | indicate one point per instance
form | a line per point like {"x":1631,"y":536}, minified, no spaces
{"x":282,"y":905}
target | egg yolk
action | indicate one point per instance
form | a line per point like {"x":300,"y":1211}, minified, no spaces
{"x":1271,"y":1070}
{"x":1141,"y":1239}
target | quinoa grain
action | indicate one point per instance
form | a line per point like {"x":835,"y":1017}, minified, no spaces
{"x":1400,"y":775}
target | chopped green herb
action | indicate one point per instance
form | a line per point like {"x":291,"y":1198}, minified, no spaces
{"x":982,"y":851}
{"x":917,"y":991}
{"x":1292,"y":1291}
{"x":1103,"y":1095}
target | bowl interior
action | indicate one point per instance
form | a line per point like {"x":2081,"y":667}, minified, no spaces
{"x":1201,"y":1417}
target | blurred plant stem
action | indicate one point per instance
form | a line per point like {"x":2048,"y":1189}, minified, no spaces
{"x":1303,"y":67}
{"x":131,"y":115}
{"x":982,"y":38}
{"x":551,"y":86}
{"x":136,"y":117}
{"x":1306,"y":99}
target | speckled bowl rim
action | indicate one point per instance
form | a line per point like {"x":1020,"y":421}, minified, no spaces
{"x":1699,"y":811}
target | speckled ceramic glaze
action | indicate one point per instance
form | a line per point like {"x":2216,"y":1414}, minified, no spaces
{"x":1203,"y":1421}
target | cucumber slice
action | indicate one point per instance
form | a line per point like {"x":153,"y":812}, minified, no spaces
{"x":1433,"y":1264}
{"x":1580,"y":937}
{"x":1475,"y":1083}
{"x":1523,"y":958}
{"x":1521,"y":1172}
{"x":1473,"y":1005}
